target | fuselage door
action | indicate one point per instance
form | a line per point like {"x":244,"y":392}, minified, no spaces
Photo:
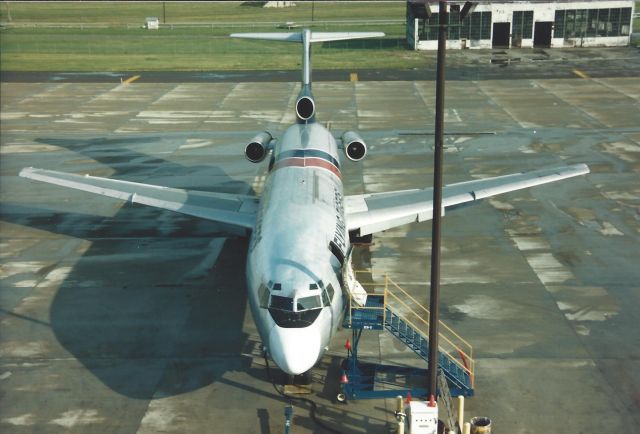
{"x":350,"y":285}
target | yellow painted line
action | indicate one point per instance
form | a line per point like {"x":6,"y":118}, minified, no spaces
{"x":130,"y":80}
{"x":580,"y":74}
{"x":353,"y":76}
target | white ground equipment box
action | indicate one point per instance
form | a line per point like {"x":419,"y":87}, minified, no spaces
{"x":151,"y":23}
{"x":422,"y":418}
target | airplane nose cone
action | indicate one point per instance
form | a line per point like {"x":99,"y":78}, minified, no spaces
{"x":294,"y":350}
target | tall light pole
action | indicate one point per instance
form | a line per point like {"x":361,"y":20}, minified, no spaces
{"x":437,"y":202}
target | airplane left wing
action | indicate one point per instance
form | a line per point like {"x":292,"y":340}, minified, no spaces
{"x":370,"y":213}
{"x":233,"y":209}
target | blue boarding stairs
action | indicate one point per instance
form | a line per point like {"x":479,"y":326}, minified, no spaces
{"x":391,"y":308}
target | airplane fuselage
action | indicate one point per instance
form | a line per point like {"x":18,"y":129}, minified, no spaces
{"x":297,"y":249}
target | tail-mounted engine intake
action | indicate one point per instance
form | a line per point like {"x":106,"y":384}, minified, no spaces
{"x":354,"y":147}
{"x":258,"y":147}
{"x":305,"y":105}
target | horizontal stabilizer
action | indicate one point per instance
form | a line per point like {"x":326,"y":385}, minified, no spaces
{"x":343,"y":36}
{"x":306,"y":37}
{"x":287,"y":37}
{"x":315,"y":36}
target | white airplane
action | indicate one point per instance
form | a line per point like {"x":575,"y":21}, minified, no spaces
{"x":298,"y":270}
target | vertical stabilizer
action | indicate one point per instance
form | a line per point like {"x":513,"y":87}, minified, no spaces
{"x":306,"y":57}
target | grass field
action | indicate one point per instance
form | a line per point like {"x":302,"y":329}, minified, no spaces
{"x":108,"y":36}
{"x":636,"y":21}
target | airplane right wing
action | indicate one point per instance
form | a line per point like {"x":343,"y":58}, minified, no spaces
{"x":233,"y":209}
{"x":370,"y":213}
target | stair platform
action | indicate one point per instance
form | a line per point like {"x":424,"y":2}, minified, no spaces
{"x":371,"y":316}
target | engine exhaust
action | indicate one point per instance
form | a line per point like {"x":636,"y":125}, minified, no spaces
{"x":305,"y":108}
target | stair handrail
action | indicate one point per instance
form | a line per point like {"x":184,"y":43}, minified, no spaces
{"x":388,"y":280}
{"x":428,"y":313}
{"x":468,"y":369}
{"x":467,"y":350}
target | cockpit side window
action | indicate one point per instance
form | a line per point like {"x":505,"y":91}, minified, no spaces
{"x":263,"y":296}
{"x":327,"y":295}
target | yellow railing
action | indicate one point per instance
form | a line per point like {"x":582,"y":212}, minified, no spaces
{"x":411,"y":311}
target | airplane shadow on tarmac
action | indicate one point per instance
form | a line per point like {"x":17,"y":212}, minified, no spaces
{"x":131,"y":309}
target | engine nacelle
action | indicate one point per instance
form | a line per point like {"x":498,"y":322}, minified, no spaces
{"x":305,"y":105}
{"x":258,"y":147}
{"x":354,"y":147}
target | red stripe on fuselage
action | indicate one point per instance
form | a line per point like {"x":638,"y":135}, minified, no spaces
{"x":307,"y":162}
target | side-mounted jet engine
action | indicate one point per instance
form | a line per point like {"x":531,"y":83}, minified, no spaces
{"x":258,"y":147}
{"x":353,"y":146}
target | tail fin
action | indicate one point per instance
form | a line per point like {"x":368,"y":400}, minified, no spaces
{"x":306,"y":37}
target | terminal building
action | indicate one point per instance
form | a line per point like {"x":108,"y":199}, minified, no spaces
{"x":507,"y":24}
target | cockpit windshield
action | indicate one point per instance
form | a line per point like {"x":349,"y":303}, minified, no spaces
{"x":306,"y":312}
{"x":282,"y":303}
{"x":305,"y":303}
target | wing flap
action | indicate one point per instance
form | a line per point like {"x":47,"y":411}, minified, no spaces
{"x":370,"y":213}
{"x":236,"y":210}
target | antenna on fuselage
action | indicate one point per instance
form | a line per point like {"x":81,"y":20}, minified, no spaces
{"x":305,"y":104}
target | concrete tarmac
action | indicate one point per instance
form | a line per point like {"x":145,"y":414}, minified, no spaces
{"x":120,"y":318}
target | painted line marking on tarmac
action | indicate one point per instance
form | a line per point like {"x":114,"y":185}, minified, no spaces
{"x":353,"y":77}
{"x":130,"y":80}
{"x":580,"y":74}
